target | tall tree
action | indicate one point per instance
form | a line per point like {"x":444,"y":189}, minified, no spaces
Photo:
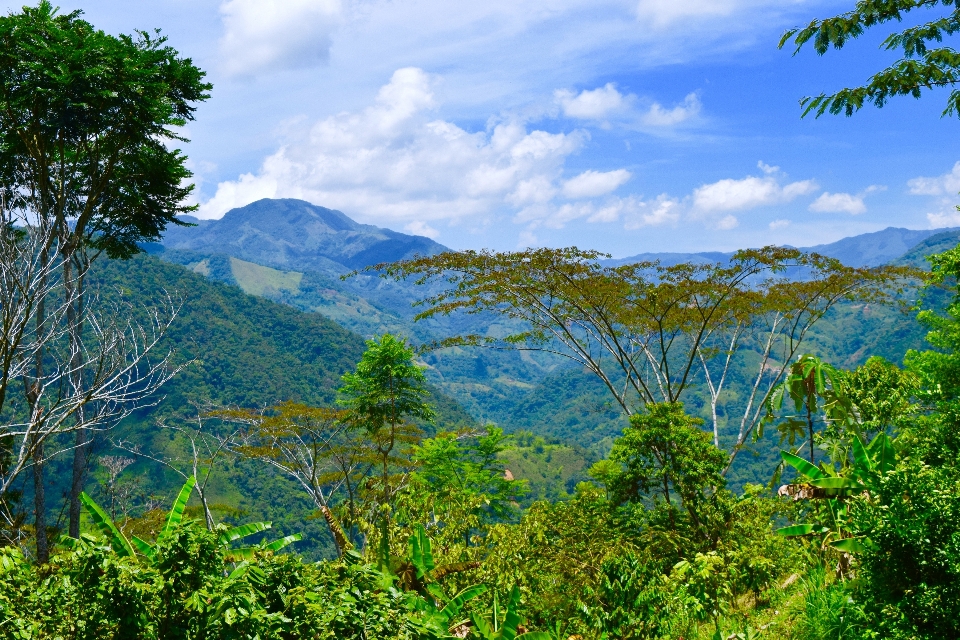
{"x":87,"y":125}
{"x":925,"y":63}
{"x":382,"y":395}
{"x":645,"y":330}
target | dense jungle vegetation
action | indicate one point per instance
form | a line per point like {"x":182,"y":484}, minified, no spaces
{"x":280,"y":428}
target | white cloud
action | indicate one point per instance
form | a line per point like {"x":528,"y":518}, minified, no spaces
{"x":392,"y":164}
{"x":727,"y":222}
{"x":838,"y":203}
{"x":420,"y":228}
{"x":261,"y":35}
{"x":945,"y":218}
{"x":753,"y":191}
{"x":591,"y":184}
{"x":595,"y":104}
{"x":632,"y":210}
{"x":947,"y":184}
{"x":663,"y":210}
{"x":657,"y":116}
{"x":779,"y":224}
{"x":607,"y":103}
{"x":844,"y":202}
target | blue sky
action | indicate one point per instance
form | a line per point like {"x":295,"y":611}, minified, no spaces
{"x":641,"y":125}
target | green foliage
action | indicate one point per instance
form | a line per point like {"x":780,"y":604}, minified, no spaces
{"x":192,"y":593}
{"x":86,"y":119}
{"x":924,"y":65}
{"x":387,"y":387}
{"x":664,"y":451}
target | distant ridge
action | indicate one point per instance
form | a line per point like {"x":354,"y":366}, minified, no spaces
{"x":296,"y":235}
{"x":864,"y":250}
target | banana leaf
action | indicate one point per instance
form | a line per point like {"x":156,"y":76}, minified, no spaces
{"x":243,"y":531}
{"x":421,"y":555}
{"x":176,"y":511}
{"x":798,"y":530}
{"x":455,"y":605}
{"x":882,"y":452}
{"x":851,"y":545}
{"x":861,"y":457}
{"x":145,"y":548}
{"x":846,"y":485}
{"x":276,"y":545}
{"x":802,"y":465}
{"x":121,"y":546}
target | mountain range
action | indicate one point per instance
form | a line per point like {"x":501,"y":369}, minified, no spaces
{"x":293,"y":234}
{"x":294,"y":253}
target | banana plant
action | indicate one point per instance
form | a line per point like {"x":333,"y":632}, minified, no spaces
{"x":825,"y":482}
{"x":493,"y":628}
{"x":128,"y":548}
{"x":418,"y":570}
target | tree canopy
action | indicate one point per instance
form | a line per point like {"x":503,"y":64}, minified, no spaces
{"x":87,"y":125}
{"x":925,"y":64}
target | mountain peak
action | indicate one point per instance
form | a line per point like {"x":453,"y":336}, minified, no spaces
{"x":295,"y":234}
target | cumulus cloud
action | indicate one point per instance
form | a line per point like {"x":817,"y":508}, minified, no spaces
{"x":657,"y":116}
{"x":420,"y":228}
{"x":392,"y":163}
{"x":746,"y":193}
{"x":944,"y":219}
{"x":779,"y":224}
{"x":607,"y":103}
{"x":947,"y":184}
{"x":591,"y":184}
{"x":595,"y":104}
{"x":262,"y":35}
{"x":839,"y":203}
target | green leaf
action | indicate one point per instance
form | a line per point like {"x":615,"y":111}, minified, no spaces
{"x":851,"y":545}
{"x":243,"y":531}
{"x":145,"y":548}
{"x":453,"y":608}
{"x":119,"y":543}
{"x":801,"y":465}
{"x":482,"y":627}
{"x":534,"y":635}
{"x":420,"y":552}
{"x":276,"y":545}
{"x":176,"y":512}
{"x":797,"y":530}
{"x":861,"y":457}
{"x":512,"y":620}
{"x":882,"y":453}
{"x":837,"y":483}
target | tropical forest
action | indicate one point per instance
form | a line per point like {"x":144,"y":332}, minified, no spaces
{"x":282,"y":423}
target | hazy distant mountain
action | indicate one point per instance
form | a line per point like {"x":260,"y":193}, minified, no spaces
{"x":864,"y":250}
{"x":296,"y":235}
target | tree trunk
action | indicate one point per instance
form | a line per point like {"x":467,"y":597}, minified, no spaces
{"x":810,"y":426}
{"x":73,"y":289}
{"x":40,"y":507}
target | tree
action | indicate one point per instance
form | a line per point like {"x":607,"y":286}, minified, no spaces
{"x":810,"y":380}
{"x":461,"y":486}
{"x":312,"y":445}
{"x":35,"y":350}
{"x":86,"y":122}
{"x":925,"y":63}
{"x":645,"y":330}
{"x":385,"y":391}
{"x":664,"y":453}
